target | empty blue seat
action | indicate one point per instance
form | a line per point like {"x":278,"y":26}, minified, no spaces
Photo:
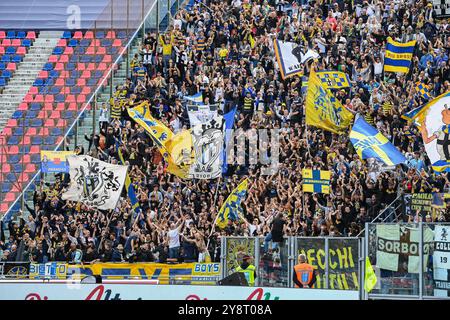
{"x":79,"y":50}
{"x":6,"y":74}
{"x":48,"y":66}
{"x":56,"y":132}
{"x":70,"y":66}
{"x":53,"y":74}
{"x":11,"y":34}
{"x":85,"y":42}
{"x":74,"y":58}
{"x":2,"y":66}
{"x":31,"y":114}
{"x":38,"y":82}
{"x":17,"y":168}
{"x":14,"y":158}
{"x":11,"y":177}
{"x":13,"y":140}
{"x":35,"y":106}
{"x":50,"y":140}
{"x":85,"y":59}
{"x":112,"y":50}
{"x":67,"y":35}
{"x":100,"y":34}
{"x":2,"y":82}
{"x":55,"y":90}
{"x":6,"y":187}
{"x":10,"y":50}
{"x":36,"y":123}
{"x":75,"y":74}
{"x":26,"y":43}
{"x":67,"y":114}
{"x":92,"y":82}
{"x":72,"y":43}
{"x":121,"y":35}
{"x":97,"y":59}
{"x":6,"y":58}
{"x":58,"y":51}
{"x":43,"y":90}
{"x":35,"y":158}
{"x":17,"y":114}
{"x":49,"y":82}
{"x":17,"y":59}
{"x":59,"y":98}
{"x":97,"y":74}
{"x":35,"y":140}
{"x":18,"y":131}
{"x":70,"y":82}
{"x":75,"y":90}
{"x":106,"y":43}
{"x":21,"y":35}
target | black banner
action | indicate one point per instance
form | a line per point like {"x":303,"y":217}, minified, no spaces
{"x":16,"y":270}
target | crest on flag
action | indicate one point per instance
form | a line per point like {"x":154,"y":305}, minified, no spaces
{"x":95,"y":183}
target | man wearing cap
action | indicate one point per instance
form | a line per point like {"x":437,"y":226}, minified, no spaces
{"x":304,"y":273}
{"x":248,"y":269}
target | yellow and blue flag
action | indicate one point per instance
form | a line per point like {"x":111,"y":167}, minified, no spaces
{"x":423,"y":90}
{"x":231,"y":208}
{"x":129,"y":187}
{"x":317,"y":181}
{"x":196,"y":98}
{"x":55,"y":161}
{"x":333,"y":79}
{"x":304,"y":88}
{"x":370,"y":143}
{"x":323,"y":110}
{"x":398,"y":56}
{"x":410,"y":115}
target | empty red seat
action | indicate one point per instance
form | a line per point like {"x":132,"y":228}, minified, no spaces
{"x":34,"y":150}
{"x":61,"y":123}
{"x":68,"y":50}
{"x":16,"y":42}
{"x":7,"y":132}
{"x":6,"y":43}
{"x":102,"y":66}
{"x":59,"y":66}
{"x":11,"y":123}
{"x":28,"y":98}
{"x":78,"y":35}
{"x":2,"y":50}
{"x":23,"y":106}
{"x":6,"y":167}
{"x":31,"y":131}
{"x":39,"y":98}
{"x":24,"y":177}
{"x":117,"y":43}
{"x":33,"y":90}
{"x":26,"y":158}
{"x":82,"y":81}
{"x":49,"y":98}
{"x":60,"y":106}
{"x":53,"y":58}
{"x":42,"y":114}
{"x":11,"y":66}
{"x":101,"y":50}
{"x":2,"y":34}
{"x":49,"y":123}
{"x":44,"y":131}
{"x":81,"y":66}
{"x":86,"y":74}
{"x":60,"y":82}
{"x":110,"y":35}
{"x":107,"y":59}
{"x":62,"y":43}
{"x":55,"y":115}
{"x":89,"y":35}
{"x":86,"y":90}
{"x":10,"y":196}
{"x":64,"y":74}
{"x":72,"y":106}
{"x":31,"y":35}
{"x":70,"y":98}
{"x":4,"y":207}
{"x":64,"y":58}
{"x":21,"y":51}
{"x":43,"y":74}
{"x":30,"y":168}
{"x":65,"y":90}
{"x":26,"y":140}
{"x":90,"y":50}
{"x":48,"y":106}
{"x":81,"y":98}
{"x":13,"y":150}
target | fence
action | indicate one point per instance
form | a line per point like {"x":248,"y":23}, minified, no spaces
{"x":411,"y":260}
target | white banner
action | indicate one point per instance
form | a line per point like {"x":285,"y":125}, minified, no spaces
{"x":136,"y":290}
{"x":207,"y":139}
{"x":95,"y":183}
{"x":441,"y":261}
{"x":290,"y":56}
{"x":199,"y":114}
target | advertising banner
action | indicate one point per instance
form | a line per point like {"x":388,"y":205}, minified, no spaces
{"x":184,"y":273}
{"x":342,"y":263}
{"x":67,"y":291}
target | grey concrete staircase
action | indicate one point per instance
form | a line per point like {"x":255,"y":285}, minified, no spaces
{"x":26,"y":72}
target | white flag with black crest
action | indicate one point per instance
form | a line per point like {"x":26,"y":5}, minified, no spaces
{"x":94,"y":183}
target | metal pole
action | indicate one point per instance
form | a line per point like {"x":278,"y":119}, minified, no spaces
{"x":157,"y":21}
{"x":142,"y":19}
{"x":223,"y":256}
{"x":361,"y":265}
{"x":327,"y":255}
{"x":93,"y":116}
{"x":112,"y":71}
{"x":366,"y":254}
{"x":257,"y":247}
{"x":290,"y":261}
{"x":420,"y":273}
{"x":128,"y":51}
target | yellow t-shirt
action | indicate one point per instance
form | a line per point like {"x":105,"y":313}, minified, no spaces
{"x":223,"y":52}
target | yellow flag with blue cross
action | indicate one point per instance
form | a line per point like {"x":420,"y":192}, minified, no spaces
{"x":316,"y":181}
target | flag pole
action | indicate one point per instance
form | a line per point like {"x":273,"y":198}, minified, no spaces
{"x":217,"y":213}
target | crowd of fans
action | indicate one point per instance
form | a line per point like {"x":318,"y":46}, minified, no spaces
{"x":209,"y":49}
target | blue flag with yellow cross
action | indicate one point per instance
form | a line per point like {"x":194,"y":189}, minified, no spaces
{"x":370,"y":143}
{"x":316,"y":181}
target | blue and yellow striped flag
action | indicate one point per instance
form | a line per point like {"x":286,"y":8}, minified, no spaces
{"x":370,"y":143}
{"x":423,"y":90}
{"x":317,"y":181}
{"x":333,"y":79}
{"x":130,"y":189}
{"x":323,"y":110}
{"x":398,"y":56}
{"x":231,"y":208}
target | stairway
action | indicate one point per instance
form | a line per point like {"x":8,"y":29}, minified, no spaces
{"x":27,"y":71}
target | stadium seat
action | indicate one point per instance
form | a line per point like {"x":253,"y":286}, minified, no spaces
{"x":78,"y":35}
{"x":64,"y":58}
{"x":36,"y":140}
{"x":48,"y":66}
{"x":2,"y":82}
{"x":73,"y":43}
{"x":85,"y":43}
{"x":26,"y":43}
{"x":16,"y":42}
{"x":111,"y":35}
{"x":67,"y":35}
{"x":2,"y":66}
{"x":68,"y":50}
{"x":31,"y":35}
{"x":38,"y":82}
{"x":35,"y":158}
{"x":100,"y":34}
{"x":50,"y":140}
{"x":10,"y":50}
{"x":58,"y":50}
{"x":16,"y":59}
{"x":6,"y":58}
{"x":11,"y":66}
{"x":35,"y":106}
{"x":13,"y":140}
{"x":3,"y":35}
{"x":17,"y":115}
{"x":31,"y":114}
{"x":11,"y":34}
{"x":7,"y":42}
{"x":122,"y":35}
{"x":53,"y":74}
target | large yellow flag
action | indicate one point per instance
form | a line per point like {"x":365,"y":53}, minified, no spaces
{"x":323,"y":110}
{"x":160,"y":135}
{"x":231,"y":208}
{"x":370,"y":279}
